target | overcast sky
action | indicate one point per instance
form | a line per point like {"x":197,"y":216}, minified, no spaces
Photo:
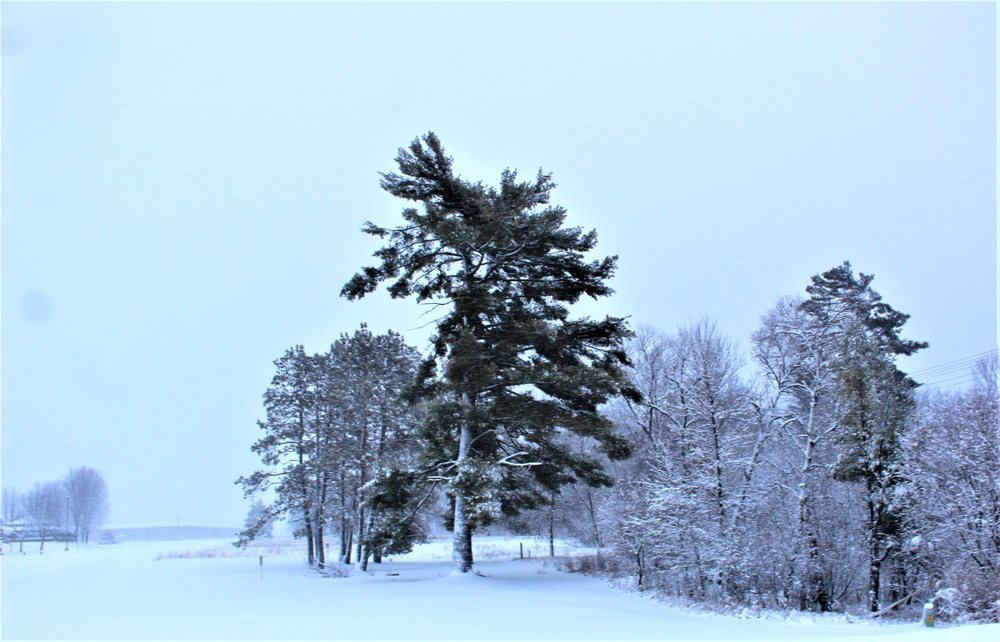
{"x":183,"y":186}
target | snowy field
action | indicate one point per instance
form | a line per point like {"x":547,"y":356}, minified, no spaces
{"x":210,"y":590}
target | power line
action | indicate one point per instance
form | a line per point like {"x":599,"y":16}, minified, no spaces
{"x":964,"y":362}
{"x":939,"y":386}
{"x":961,"y":367}
{"x":964,"y":375}
{"x":943,"y":383}
{"x":951,"y":374}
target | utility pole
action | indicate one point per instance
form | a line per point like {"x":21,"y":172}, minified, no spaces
{"x":67,"y":522}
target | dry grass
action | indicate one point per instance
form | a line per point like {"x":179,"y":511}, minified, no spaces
{"x":589,"y":564}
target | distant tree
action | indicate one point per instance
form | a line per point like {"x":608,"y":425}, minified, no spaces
{"x":510,"y":370}
{"x":13,"y":508}
{"x":814,"y":485}
{"x":45,"y":508}
{"x":88,"y":495}
{"x":259,"y":519}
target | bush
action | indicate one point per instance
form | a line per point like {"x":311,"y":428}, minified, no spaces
{"x":590,"y":564}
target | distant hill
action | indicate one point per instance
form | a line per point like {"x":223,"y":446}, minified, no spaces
{"x":170,"y":533}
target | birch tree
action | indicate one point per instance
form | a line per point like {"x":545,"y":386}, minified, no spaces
{"x":795,"y":356}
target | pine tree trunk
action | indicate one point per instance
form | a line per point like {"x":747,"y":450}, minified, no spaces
{"x":640,"y":564}
{"x":552,"y":528}
{"x":363,"y":555}
{"x":874,"y":556}
{"x":349,"y":547}
{"x":319,"y":546}
{"x":364,"y":552}
{"x":321,"y":520}
{"x":360,"y":533}
{"x":310,"y":542}
{"x":874,"y":583}
{"x":346,"y":539}
{"x":344,"y":523}
{"x":461,"y":552}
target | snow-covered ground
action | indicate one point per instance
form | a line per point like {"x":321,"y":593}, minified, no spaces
{"x":210,"y":590}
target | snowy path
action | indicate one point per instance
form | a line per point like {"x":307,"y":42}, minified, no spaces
{"x":124,"y":592}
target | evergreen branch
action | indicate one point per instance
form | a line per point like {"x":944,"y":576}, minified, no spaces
{"x":506,"y":460}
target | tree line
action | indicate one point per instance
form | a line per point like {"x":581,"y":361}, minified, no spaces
{"x":78,"y":504}
{"x":823,"y":480}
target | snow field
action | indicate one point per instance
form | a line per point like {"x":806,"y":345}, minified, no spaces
{"x":211,"y":590}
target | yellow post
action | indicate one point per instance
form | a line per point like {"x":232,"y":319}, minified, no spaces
{"x":928,"y":618}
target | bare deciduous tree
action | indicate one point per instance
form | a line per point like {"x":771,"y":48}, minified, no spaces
{"x":953,"y":467}
{"x":45,"y":508}
{"x":13,"y":509}
{"x":88,"y":495}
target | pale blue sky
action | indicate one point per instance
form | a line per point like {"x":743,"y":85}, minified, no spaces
{"x":183,"y":184}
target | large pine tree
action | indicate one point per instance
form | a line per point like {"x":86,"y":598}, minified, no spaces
{"x":872,"y":402}
{"x":511,"y":371}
